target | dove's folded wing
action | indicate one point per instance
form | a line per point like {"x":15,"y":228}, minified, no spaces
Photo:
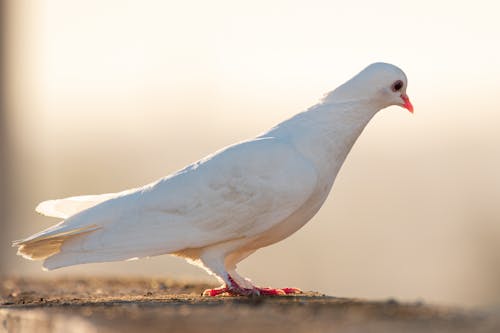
{"x":241,"y":191}
{"x":64,"y":208}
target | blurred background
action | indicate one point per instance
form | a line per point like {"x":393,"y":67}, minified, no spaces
{"x":100,"y":96}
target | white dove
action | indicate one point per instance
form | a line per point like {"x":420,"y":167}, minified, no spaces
{"x":222,"y":208}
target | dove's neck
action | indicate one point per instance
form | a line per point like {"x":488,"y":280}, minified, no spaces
{"x":326,"y":132}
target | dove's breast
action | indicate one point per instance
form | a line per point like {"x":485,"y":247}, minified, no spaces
{"x":293,"y":222}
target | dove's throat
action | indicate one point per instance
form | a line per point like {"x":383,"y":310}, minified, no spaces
{"x":328,"y":132}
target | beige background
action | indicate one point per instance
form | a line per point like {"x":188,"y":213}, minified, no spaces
{"x":107,"y":95}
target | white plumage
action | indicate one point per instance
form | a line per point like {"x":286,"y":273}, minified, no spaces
{"x":224,"y":207}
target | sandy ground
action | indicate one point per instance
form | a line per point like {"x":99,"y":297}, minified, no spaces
{"x":161,"y":305}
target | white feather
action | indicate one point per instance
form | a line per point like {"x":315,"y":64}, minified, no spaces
{"x":63,"y":208}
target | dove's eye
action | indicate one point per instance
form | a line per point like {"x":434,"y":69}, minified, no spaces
{"x":396,"y":86}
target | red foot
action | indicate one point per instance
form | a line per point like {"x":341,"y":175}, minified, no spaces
{"x":236,"y":290}
{"x":278,"y":292}
{"x":289,"y":291}
{"x":215,"y":292}
{"x":270,"y":292}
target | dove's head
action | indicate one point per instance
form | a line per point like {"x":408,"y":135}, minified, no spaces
{"x":380,"y":84}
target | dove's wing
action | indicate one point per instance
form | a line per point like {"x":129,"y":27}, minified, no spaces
{"x":64,"y":208}
{"x":241,"y":191}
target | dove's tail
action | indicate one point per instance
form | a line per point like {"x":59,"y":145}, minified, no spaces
{"x":83,"y":237}
{"x":48,"y":242}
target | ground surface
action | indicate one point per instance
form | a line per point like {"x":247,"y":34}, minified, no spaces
{"x":159,"y":305}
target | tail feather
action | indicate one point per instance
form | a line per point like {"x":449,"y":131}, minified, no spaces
{"x":64,"y":208}
{"x":48,"y":243}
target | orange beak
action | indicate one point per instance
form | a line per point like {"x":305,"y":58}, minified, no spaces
{"x":407,"y":104}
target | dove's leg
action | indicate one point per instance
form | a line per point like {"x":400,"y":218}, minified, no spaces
{"x":247,"y":284}
{"x":231,"y":262}
{"x":243,"y":282}
{"x":214,"y":262}
{"x":240,"y":280}
{"x":221,"y":260}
